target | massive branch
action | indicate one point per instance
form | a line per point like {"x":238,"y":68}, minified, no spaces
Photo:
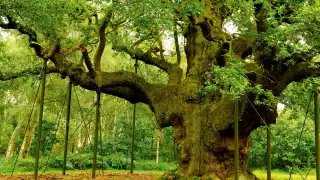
{"x":296,"y":73}
{"x":125,"y":85}
{"x":27,"y":72}
{"x":173,"y":70}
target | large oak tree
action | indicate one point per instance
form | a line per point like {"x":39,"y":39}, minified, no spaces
{"x":272,"y":44}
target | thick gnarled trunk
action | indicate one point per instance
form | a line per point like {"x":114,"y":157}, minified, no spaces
{"x":206,"y":150}
{"x":203,"y":125}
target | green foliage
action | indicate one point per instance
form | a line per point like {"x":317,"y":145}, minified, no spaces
{"x":242,"y":16}
{"x":117,"y":161}
{"x":52,"y":13}
{"x":230,"y":80}
{"x":298,"y":95}
{"x":191,"y":8}
{"x":47,"y":138}
{"x":81,"y":160}
{"x":292,"y":27}
{"x":285,"y":136}
{"x":26,"y":164}
{"x":57,"y":163}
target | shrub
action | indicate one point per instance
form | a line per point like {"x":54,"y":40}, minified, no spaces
{"x":6,"y":165}
{"x":26,"y":164}
{"x":81,"y":161}
{"x":117,"y":161}
{"x":57,"y":163}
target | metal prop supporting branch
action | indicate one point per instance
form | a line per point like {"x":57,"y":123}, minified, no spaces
{"x":316,"y":123}
{"x":43,"y":84}
{"x":268,"y":153}
{"x":236,"y":140}
{"x":133,"y":124}
{"x":96,"y":132}
{"x":67,"y":129}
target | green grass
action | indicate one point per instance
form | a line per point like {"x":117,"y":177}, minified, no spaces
{"x":143,"y":166}
{"x":281,"y":175}
{"x":276,"y":174}
{"x":58,"y":171}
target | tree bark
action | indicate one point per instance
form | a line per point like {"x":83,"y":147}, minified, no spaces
{"x":29,"y":131}
{"x":27,"y":140}
{"x":10,"y":149}
{"x":80,"y":139}
{"x":206,"y":148}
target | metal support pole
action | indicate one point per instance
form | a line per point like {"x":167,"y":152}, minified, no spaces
{"x":316,"y":122}
{"x":132,"y":143}
{"x":43,"y":84}
{"x":133,"y":124}
{"x":236,"y":141}
{"x":96,"y":130}
{"x":174,"y":150}
{"x":151,"y":147}
{"x":268,"y":153}
{"x":100,"y":132}
{"x":67,"y":129}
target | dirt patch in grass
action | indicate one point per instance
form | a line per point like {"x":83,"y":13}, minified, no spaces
{"x":111,"y":176}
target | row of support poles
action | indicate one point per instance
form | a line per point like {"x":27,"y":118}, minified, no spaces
{"x":316,"y":123}
{"x":133,"y":124}
{"x":317,"y":142}
{"x":236,"y":140}
{"x":96,"y":132}
{"x":67,"y":129}
{"x":43,"y":84}
{"x":94,"y":164}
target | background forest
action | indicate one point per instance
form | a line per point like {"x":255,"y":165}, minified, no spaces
{"x":155,"y":149}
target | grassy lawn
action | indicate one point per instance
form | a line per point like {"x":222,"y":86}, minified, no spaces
{"x":262,"y":174}
{"x":281,"y":175}
{"x":57,"y":171}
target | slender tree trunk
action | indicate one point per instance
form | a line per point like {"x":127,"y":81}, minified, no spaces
{"x":90,"y":134}
{"x":10,"y":149}
{"x":30,"y":128}
{"x":80,"y":141}
{"x":113,"y":124}
{"x":25,"y":147}
{"x":29,"y":133}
